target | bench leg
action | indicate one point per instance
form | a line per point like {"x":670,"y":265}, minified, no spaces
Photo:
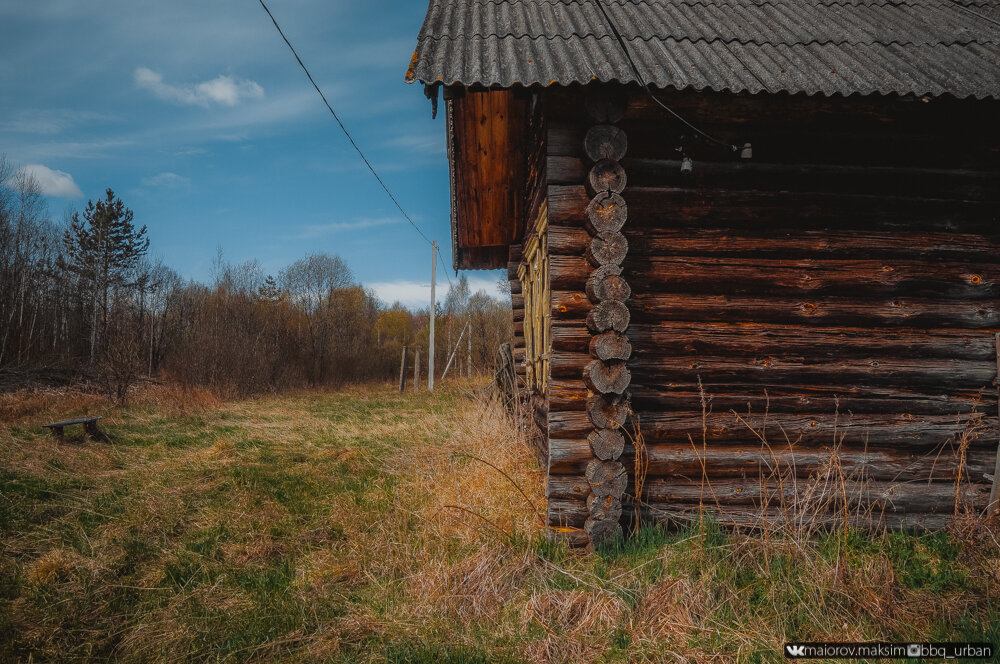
{"x":93,"y":431}
{"x":57,"y":433}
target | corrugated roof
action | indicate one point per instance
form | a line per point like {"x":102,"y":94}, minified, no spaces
{"x":812,"y":46}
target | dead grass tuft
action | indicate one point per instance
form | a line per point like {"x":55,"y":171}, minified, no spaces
{"x":58,"y":566}
{"x":28,"y":405}
{"x":479,"y":586}
{"x":575,"y":611}
{"x":667,"y":611}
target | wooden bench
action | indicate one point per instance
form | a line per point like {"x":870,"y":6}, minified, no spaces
{"x":89,"y":426}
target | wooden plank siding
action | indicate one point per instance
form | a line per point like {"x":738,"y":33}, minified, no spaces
{"x":489,"y":167}
{"x":841,"y":289}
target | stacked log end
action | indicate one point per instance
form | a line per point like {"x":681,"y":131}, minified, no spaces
{"x":606,"y":375}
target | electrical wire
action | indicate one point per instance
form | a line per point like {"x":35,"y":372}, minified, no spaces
{"x":975,"y":13}
{"x":342,"y":127}
{"x":645,"y":85}
{"x":351,"y":138}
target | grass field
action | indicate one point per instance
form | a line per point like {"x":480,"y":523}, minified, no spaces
{"x":365,"y":526}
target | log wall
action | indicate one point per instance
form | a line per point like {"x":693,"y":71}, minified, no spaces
{"x":533,"y":388}
{"x":838,"y":291}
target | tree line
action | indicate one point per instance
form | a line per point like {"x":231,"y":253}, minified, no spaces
{"x":83,"y":300}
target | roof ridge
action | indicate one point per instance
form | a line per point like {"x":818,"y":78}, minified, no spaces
{"x":821,"y":42}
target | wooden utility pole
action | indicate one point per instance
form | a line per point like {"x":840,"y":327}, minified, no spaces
{"x":416,"y":369}
{"x":430,"y":346}
{"x":402,"y":371}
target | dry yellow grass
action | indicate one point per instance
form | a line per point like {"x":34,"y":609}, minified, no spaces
{"x":369,"y":526}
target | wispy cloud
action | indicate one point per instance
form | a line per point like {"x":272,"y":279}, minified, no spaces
{"x":51,"y":182}
{"x":49,"y":121}
{"x":312,"y":231}
{"x":166,"y":181}
{"x":417,"y":295}
{"x":190,"y":152}
{"x":222,"y":90}
{"x":51,"y":150}
{"x":422,"y":143}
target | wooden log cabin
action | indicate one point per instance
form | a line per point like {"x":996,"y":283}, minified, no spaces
{"x":753,"y":248}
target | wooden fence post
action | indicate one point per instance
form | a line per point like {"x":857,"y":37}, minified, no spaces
{"x":505,"y":376}
{"x":402,"y":371}
{"x":416,"y":369}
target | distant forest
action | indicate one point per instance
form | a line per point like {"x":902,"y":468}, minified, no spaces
{"x":83,"y":301}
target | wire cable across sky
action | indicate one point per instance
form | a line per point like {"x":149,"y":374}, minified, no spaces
{"x":351,"y":138}
{"x":645,"y":86}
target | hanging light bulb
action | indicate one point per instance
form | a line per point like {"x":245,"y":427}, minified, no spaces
{"x":746,"y":152}
{"x":686,"y":165}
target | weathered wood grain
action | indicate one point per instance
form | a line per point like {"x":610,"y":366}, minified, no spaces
{"x":607,"y":248}
{"x":792,"y":242}
{"x":610,"y":346}
{"x":749,"y":459}
{"x":825,"y":310}
{"x":947,"y":375}
{"x":606,"y":213}
{"x":904,"y":431}
{"x":607,"y":479}
{"x":650,"y":207}
{"x":607,"y":316}
{"x":816,"y":276}
{"x":606,"y":283}
{"x":606,"y":377}
{"x":607,"y":175}
{"x":748,"y":339}
{"x":605,"y":141}
{"x":606,"y":444}
{"x":606,"y":411}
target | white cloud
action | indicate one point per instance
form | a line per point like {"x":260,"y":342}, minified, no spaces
{"x":223,"y":90}
{"x":166,"y":180}
{"x":312,"y":231}
{"x":52,"y":182}
{"x":420,"y":143}
{"x":416,"y":295}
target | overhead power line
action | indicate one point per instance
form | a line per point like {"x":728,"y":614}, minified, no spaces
{"x":351,"y":138}
{"x":645,"y":85}
{"x":348,"y":134}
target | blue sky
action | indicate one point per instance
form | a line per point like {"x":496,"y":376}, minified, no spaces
{"x":199,"y":118}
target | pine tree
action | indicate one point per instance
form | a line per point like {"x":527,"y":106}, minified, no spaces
{"x":269,"y":291}
{"x":103,"y":248}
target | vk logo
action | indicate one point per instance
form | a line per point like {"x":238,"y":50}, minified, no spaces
{"x":794,"y":651}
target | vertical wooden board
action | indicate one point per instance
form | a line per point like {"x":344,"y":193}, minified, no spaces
{"x":466,"y":148}
{"x":484,"y":155}
{"x":995,"y":487}
{"x":507,"y":181}
{"x":488,"y":150}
